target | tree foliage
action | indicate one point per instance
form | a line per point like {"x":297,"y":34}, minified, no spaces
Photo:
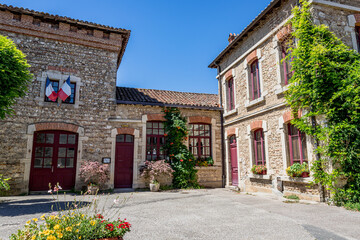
{"x":326,"y":85}
{"x":181,"y":159}
{"x":14,"y":75}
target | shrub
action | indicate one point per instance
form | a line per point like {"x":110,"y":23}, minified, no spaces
{"x":153,"y":170}
{"x":4,"y":185}
{"x":297,"y":169}
{"x":93,"y":172}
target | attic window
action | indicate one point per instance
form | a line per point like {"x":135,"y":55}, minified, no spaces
{"x":55,"y":25}
{"x":36,"y":21}
{"x":17,"y":17}
{"x":90,"y":32}
{"x":73,"y":28}
{"x":106,"y":35}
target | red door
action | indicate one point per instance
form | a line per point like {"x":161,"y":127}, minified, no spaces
{"x":53,"y":160}
{"x":234,"y":163}
{"x":124,"y":156}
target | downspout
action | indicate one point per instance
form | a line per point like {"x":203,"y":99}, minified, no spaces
{"x":222,"y":128}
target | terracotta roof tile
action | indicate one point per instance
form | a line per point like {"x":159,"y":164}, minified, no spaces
{"x":126,"y":95}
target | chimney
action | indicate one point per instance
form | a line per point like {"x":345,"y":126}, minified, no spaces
{"x":231,"y":38}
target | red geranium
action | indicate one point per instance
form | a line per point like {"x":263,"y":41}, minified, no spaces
{"x":181,"y":160}
{"x":110,"y":227}
{"x":99,"y":216}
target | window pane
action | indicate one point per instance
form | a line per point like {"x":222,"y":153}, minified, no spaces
{"x":38,"y":162}
{"x":50,"y":138}
{"x":259,"y":152}
{"x":63,"y":139}
{"x":71,"y":139}
{"x":148,"y":140}
{"x":295,"y":148}
{"x":47,"y":162}
{"x":70,"y":152}
{"x":39,"y":152}
{"x":129,"y":138}
{"x":120,"y":138}
{"x":149,"y":125}
{"x":155,"y":125}
{"x":156,"y":131}
{"x":70,"y":162}
{"x":48,"y":152}
{"x":304,"y":150}
{"x":62,"y":152}
{"x":148,"y":131}
{"x":161,"y":131}
{"x":61,"y":163}
{"x":40,"y":138}
{"x":161,"y":125}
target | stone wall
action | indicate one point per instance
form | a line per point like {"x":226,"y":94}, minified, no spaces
{"x":270,"y":111}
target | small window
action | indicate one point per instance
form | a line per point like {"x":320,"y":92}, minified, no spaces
{"x":106,"y":35}
{"x":55,"y":85}
{"x":17,"y":17}
{"x":37,"y":21}
{"x":73,"y":28}
{"x":200,"y":140}
{"x":297,"y":145}
{"x":286,"y":72}
{"x":55,"y":25}
{"x":254,"y":83}
{"x":358,"y":37}
{"x":90,"y":32}
{"x":71,"y":98}
{"x":155,"y":141}
{"x":258,"y":148}
{"x":230,"y":94}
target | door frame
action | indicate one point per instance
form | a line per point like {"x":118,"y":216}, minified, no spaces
{"x":45,"y":126}
{"x":136,"y":160}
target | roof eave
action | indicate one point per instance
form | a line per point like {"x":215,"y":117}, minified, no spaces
{"x":215,"y":62}
{"x":160,"y":104}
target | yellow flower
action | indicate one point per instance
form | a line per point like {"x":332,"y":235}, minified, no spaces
{"x":46,"y":232}
{"x":35,"y":219}
{"x":80,"y":237}
{"x":57,"y":226}
{"x":77,"y":230}
{"x":42,"y":217}
{"x":82,"y":215}
{"x":92,"y":222}
{"x":68,"y":229}
{"x":51,"y":237}
{"x":33,"y":237}
{"x":52,"y":217}
{"x":28,"y":222}
{"x":60,"y":235}
{"x":78,"y":224}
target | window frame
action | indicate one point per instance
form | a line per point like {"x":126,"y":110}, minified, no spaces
{"x":257,"y":74}
{"x":199,"y":154}
{"x":301,"y":138}
{"x":286,"y":64}
{"x":230,"y":94}
{"x":255,"y":144}
{"x":158,"y":143}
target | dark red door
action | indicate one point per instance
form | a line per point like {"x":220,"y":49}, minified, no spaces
{"x":53,"y":160}
{"x":124,"y":157}
{"x":234,"y":163}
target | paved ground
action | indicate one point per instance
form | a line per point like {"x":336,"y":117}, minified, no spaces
{"x":203,"y":214}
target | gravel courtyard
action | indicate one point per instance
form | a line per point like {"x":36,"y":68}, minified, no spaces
{"x":203,"y":214}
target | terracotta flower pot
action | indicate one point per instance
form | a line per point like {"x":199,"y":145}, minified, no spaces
{"x":305,"y":174}
{"x":154,"y":187}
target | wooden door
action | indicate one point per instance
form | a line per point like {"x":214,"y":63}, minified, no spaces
{"x":124,"y":157}
{"x":53,"y":160}
{"x":234,"y":162}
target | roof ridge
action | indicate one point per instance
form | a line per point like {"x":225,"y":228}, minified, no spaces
{"x":58,"y":17}
{"x":168,"y":90}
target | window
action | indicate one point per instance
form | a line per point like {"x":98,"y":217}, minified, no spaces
{"x":55,"y":85}
{"x":358,"y":37}
{"x":230,"y":94}
{"x":200,"y":140}
{"x":71,"y":98}
{"x":254,"y":82}
{"x":286,"y":64}
{"x":259,"y":152}
{"x":155,"y":140}
{"x":297,"y":145}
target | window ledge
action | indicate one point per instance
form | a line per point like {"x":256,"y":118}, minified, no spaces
{"x":266,"y":177}
{"x":229,"y":113}
{"x":282,"y":90}
{"x":296,"y":179}
{"x":254,"y":102}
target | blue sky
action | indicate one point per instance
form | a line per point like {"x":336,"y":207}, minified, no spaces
{"x":172,"y":42}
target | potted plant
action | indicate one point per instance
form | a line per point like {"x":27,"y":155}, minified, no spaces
{"x":95,"y":175}
{"x":298,"y":170}
{"x":154,"y":170}
{"x":259,"y":169}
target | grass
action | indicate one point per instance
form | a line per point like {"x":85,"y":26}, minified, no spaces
{"x":292,"y":197}
{"x":352,"y":206}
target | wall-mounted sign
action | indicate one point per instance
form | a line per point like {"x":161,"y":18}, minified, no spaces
{"x":106,"y":160}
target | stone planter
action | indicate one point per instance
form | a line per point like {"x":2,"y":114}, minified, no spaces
{"x":154,"y":187}
{"x":92,"y":190}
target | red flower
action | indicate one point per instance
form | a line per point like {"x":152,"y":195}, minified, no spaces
{"x":178,"y":127}
{"x":181,"y":160}
{"x":189,"y":160}
{"x":110,"y":227}
{"x":99,"y":216}
{"x":165,"y":134}
{"x":171,"y":143}
{"x":186,"y":138}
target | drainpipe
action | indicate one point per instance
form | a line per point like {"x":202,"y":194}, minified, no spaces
{"x":222,"y":128}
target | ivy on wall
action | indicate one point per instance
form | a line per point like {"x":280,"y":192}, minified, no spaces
{"x":181,"y":159}
{"x":326,"y":85}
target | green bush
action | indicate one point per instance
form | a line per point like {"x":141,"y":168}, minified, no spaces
{"x":14,"y":75}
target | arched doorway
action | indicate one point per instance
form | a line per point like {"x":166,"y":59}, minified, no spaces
{"x":233,"y":160}
{"x":124,"y":161}
{"x":53,"y":160}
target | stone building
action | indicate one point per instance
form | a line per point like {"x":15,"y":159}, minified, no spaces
{"x":46,"y":142}
{"x":252,"y":81}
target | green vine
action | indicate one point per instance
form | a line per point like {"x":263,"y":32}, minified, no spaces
{"x":326,"y":86}
{"x":181,"y":159}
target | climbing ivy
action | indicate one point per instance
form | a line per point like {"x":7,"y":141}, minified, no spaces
{"x":181,"y":159}
{"x":326,"y":86}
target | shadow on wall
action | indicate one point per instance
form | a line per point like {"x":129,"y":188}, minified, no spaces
{"x":33,"y":206}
